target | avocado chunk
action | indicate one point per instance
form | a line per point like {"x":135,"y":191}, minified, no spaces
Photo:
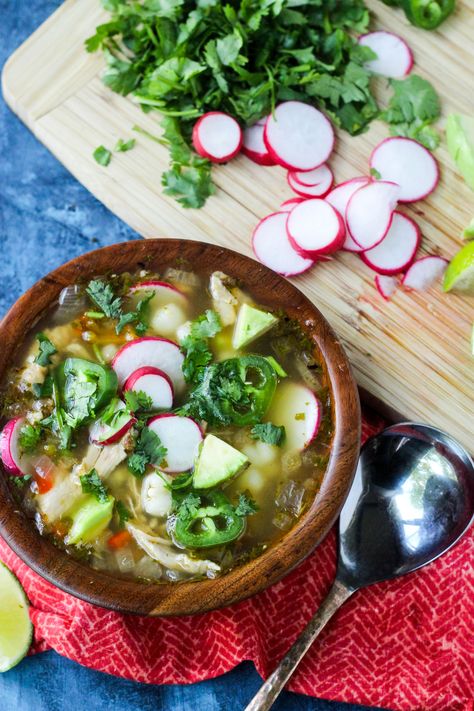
{"x":89,"y":519}
{"x":217,"y":462}
{"x":251,"y":323}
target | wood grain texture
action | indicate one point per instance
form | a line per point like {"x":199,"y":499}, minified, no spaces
{"x":187,"y":598}
{"x":412,"y":353}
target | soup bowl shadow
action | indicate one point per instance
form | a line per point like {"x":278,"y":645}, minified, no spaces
{"x":168,"y":598}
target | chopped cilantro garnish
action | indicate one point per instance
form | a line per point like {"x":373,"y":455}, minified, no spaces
{"x":267,"y":432}
{"x":123,"y":513}
{"x":413,"y":106}
{"x":246,"y":506}
{"x":122,"y":146}
{"x":91,"y":483}
{"x":137,"y":401}
{"x":139,"y":317}
{"x":46,"y":350}
{"x":102,"y":155}
{"x":148,"y":450}
{"x":29,"y":437}
{"x":195,"y":346}
{"x":43,"y":389}
{"x":189,"y":505}
{"x":103,"y":296}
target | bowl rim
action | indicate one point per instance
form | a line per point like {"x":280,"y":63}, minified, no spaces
{"x":168,"y":598}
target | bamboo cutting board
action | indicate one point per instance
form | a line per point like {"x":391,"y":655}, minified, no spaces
{"x":413,"y":354}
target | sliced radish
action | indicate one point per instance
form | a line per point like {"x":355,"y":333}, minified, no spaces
{"x":386,"y":285}
{"x":407,"y":163}
{"x":163,"y":293}
{"x":397,"y":250}
{"x":112,"y":431}
{"x":394,"y":56}
{"x":154,"y":383}
{"x":13,"y":460}
{"x":317,"y":176}
{"x":298,"y":136}
{"x":288,"y":205}
{"x":254,"y":147}
{"x":424,"y":272}
{"x":369,"y":212}
{"x":296,"y":408}
{"x":150,"y":351}
{"x":217,"y":136}
{"x":317,"y":190}
{"x":315,"y":227}
{"x":181,"y":436}
{"x":272,"y":247}
{"x":338,"y":198}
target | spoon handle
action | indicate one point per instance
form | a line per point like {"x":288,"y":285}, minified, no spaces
{"x":267,"y":694}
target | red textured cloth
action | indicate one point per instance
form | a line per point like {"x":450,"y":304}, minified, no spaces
{"x":406,"y":644}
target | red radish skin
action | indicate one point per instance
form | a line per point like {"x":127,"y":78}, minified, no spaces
{"x":272,"y":247}
{"x":369,"y":212}
{"x":10,"y":455}
{"x":407,"y":163}
{"x":151,"y":351}
{"x":398,"y":248}
{"x":298,"y":136}
{"x":254,"y":147}
{"x":315,"y":228}
{"x":394,"y":56}
{"x":163,"y":292}
{"x":424,"y":272}
{"x":317,"y":176}
{"x":217,"y":136}
{"x":386,"y":286}
{"x":308,"y":191}
{"x":181,"y":436}
{"x":97,"y":432}
{"x":154,"y":383}
{"x":288,"y":205}
{"x":338,"y":197}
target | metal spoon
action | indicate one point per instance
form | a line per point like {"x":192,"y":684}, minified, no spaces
{"x":412,"y":498}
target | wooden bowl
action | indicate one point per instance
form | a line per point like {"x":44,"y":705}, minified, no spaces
{"x":186,"y":598}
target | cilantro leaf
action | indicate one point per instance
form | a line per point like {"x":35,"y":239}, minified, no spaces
{"x":46,"y":350}
{"x":102,"y":295}
{"x":29,"y":438}
{"x":124,"y":514}
{"x":189,"y":505}
{"x":269,"y":433}
{"x":207,"y":325}
{"x":139,"y":317}
{"x":413,"y":107}
{"x":195,"y":346}
{"x":148,"y":450}
{"x":43,"y":389}
{"x":102,"y":156}
{"x":122,"y":146}
{"x":246,"y":506}
{"x":138,"y":400}
{"x":91,"y":483}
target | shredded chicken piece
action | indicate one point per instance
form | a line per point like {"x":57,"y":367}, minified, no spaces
{"x":59,"y":500}
{"x":109,"y":458}
{"x":162,"y":551}
{"x":223,"y":301}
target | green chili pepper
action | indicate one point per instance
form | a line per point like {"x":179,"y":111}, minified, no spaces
{"x":212,"y":523}
{"x":85,"y":387}
{"x":428,"y":14}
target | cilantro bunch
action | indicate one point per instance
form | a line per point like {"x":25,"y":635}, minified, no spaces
{"x":184,"y":58}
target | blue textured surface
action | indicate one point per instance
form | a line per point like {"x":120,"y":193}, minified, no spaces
{"x":47,"y":217}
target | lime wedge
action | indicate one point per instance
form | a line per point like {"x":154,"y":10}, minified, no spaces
{"x":16,"y":630}
{"x":460,"y":272}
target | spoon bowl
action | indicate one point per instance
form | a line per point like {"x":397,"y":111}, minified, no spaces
{"x":411,"y":499}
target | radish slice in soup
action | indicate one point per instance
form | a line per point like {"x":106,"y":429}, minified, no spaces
{"x":394,"y":56}
{"x":154,"y":383}
{"x":297,"y":408}
{"x":407,"y":163}
{"x":298,"y":136}
{"x":153,"y":352}
{"x":217,"y":136}
{"x":369,"y":212}
{"x":272,"y":247}
{"x":114,"y":429}
{"x":163,"y":293}
{"x":13,"y":460}
{"x":181,"y":436}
